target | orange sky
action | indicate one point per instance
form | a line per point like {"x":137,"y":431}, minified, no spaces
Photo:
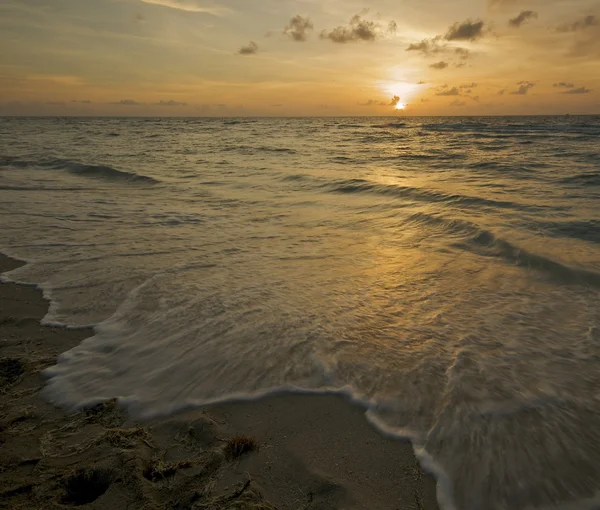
{"x":299,"y":57}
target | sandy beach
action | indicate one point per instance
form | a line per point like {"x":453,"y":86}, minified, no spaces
{"x":286,"y":452}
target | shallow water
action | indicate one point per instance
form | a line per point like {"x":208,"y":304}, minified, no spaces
{"x":443,"y":271}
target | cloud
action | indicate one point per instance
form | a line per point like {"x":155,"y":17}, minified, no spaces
{"x":127,"y":102}
{"x":580,"y":24}
{"x":392,"y":27}
{"x":466,"y":31}
{"x":171,"y":103}
{"x":190,"y":6}
{"x":251,"y":49}
{"x":524,"y":87}
{"x":298,"y":28}
{"x":372,"y":102}
{"x":471,"y":85}
{"x":359,"y":29}
{"x":463,"y":53}
{"x":501,"y":92}
{"x":458,"y":102}
{"x":428,"y":46}
{"x":522,"y":18}
{"x":563,"y":85}
{"x":439,"y":65}
{"x":579,"y":90}
{"x":450,"y":92}
{"x":424,"y":100}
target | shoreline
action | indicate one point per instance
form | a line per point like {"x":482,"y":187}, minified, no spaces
{"x":313,"y":451}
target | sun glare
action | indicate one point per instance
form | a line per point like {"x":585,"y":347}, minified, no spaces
{"x":404,"y":90}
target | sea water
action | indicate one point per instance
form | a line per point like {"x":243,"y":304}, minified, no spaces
{"x":443,"y":272}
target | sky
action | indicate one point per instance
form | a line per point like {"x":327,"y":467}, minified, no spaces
{"x":299,"y":57}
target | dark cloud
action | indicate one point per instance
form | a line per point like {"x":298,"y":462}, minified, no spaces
{"x":421,"y":83}
{"x":468,"y":85}
{"x":298,"y":28}
{"x":466,"y":31}
{"x":458,"y":102}
{"x":358,"y":29}
{"x":501,"y":92}
{"x":450,"y":92}
{"x":580,"y":24}
{"x":392,"y":27}
{"x":127,"y":102}
{"x":522,"y":18}
{"x":439,"y":65}
{"x":170,"y":103}
{"x":563,"y":85}
{"x":428,"y":46}
{"x":579,"y":90}
{"x":524,"y":87}
{"x":395,"y":100}
{"x":251,"y":49}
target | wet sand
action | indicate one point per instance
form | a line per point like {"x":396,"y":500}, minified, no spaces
{"x":288,"y":452}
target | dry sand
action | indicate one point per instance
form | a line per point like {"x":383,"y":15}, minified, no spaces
{"x":312,"y":452}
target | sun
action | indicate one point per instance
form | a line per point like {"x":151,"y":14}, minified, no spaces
{"x":401,"y":106}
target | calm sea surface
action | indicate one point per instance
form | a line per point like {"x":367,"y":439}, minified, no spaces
{"x":445,"y":272}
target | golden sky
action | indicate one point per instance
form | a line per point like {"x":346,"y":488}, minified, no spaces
{"x":299,"y":57}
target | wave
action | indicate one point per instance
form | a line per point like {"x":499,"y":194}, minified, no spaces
{"x":391,"y":125}
{"x":95,"y":171}
{"x":584,"y":230}
{"x":486,"y":244}
{"x":586,"y":179}
{"x":350,"y":186}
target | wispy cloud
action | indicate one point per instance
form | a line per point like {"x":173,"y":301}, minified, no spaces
{"x":563,"y":85}
{"x":171,"y":103}
{"x":191,"y":6}
{"x":373,"y":102}
{"x":127,"y":102}
{"x":250,"y":49}
{"x":358,"y":29}
{"x":298,"y":28}
{"x":579,"y":90}
{"x":466,"y":31}
{"x":522,"y":18}
{"x":450,"y":92}
{"x":580,"y":24}
{"x":431,"y":46}
{"x":523,"y":89}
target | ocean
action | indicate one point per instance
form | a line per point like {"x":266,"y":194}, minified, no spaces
{"x":444,"y":273}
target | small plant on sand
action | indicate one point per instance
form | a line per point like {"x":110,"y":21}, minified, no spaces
{"x":238,"y":445}
{"x":127,"y":438}
{"x":157,"y":469}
